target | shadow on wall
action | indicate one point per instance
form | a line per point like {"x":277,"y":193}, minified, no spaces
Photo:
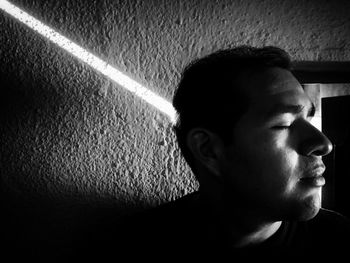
{"x":31,"y":218}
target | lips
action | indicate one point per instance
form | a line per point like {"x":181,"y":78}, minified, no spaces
{"x":317,"y":181}
{"x":314,"y":176}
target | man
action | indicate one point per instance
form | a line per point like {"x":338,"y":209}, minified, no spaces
{"x":244,"y":129}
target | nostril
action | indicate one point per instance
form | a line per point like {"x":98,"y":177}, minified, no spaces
{"x":323,"y":147}
{"x":314,"y":142}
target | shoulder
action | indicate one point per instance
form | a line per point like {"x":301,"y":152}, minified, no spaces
{"x":141,"y":234}
{"x":169,"y":217}
{"x":166,"y":217}
{"x":168,"y":228}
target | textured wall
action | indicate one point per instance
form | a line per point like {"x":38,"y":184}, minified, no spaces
{"x":71,"y":138}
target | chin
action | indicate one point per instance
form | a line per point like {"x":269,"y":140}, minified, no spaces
{"x":311,"y":213}
{"x":309,"y":208}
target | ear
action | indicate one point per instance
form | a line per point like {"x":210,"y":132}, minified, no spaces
{"x":207,"y":149}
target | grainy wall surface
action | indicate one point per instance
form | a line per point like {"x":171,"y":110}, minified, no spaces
{"x":71,"y":139}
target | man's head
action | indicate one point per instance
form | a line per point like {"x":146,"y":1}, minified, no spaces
{"x":244,"y":121}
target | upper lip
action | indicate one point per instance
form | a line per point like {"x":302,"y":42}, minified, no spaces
{"x":315,"y":171}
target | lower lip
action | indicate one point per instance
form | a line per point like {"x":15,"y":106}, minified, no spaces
{"x":317,"y":181}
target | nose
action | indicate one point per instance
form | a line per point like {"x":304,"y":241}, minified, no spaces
{"x":315,"y":143}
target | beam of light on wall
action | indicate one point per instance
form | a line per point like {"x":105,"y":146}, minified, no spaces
{"x":90,"y":59}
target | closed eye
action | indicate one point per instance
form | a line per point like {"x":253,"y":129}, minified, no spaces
{"x":281,"y":127}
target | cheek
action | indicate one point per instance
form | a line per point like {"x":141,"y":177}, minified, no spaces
{"x":271,"y":160}
{"x":283,"y":152}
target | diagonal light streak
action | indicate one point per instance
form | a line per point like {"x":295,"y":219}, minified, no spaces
{"x":90,"y":59}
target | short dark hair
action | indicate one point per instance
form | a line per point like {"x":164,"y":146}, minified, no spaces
{"x":208,"y":94}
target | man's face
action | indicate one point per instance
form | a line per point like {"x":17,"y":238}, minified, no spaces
{"x":274,"y":164}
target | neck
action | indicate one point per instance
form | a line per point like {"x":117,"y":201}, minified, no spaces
{"x":241,"y":227}
{"x":244,"y":235}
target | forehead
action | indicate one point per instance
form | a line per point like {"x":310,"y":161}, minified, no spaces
{"x":275,"y":86}
{"x":270,"y":82}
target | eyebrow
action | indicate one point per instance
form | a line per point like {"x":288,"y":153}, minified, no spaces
{"x":279,"y":109}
